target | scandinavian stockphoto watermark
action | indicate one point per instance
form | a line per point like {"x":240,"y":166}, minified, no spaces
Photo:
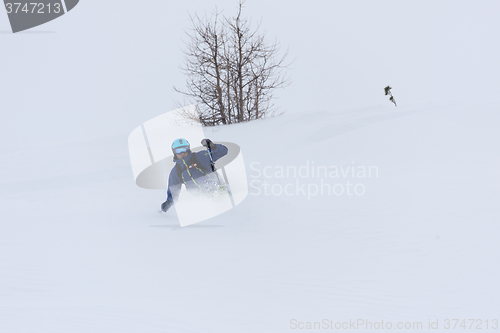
{"x":25,"y":15}
{"x":377,"y":325}
{"x":311,"y":179}
{"x":356,"y":324}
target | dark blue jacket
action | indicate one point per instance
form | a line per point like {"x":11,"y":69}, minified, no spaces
{"x":194,"y":175}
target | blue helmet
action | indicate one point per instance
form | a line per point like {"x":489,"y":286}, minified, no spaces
{"x":180,"y":146}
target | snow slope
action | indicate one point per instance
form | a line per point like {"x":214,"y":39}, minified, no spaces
{"x":83,"y":249}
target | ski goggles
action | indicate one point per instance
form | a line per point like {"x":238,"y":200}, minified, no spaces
{"x":181,"y":150}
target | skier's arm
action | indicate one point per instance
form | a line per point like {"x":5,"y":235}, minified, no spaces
{"x":170,"y":199}
{"x":173,"y":192}
{"x":218,"y":150}
{"x":174,"y":188}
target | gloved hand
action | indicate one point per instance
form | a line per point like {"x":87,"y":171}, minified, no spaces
{"x":166,"y":205}
{"x":208,"y":143}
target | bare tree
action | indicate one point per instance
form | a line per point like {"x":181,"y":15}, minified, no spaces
{"x":231,"y":70}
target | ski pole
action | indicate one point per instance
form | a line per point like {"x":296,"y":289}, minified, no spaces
{"x":226,"y":184}
{"x":212,"y":163}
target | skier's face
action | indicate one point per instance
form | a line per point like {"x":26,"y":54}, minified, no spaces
{"x":181,"y":155}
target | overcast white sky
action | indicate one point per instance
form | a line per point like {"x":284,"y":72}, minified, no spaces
{"x":108,"y":66}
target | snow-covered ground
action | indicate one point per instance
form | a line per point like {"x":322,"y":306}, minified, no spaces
{"x":83,"y":249}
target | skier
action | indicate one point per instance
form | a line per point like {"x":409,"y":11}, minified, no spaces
{"x":194,"y":170}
